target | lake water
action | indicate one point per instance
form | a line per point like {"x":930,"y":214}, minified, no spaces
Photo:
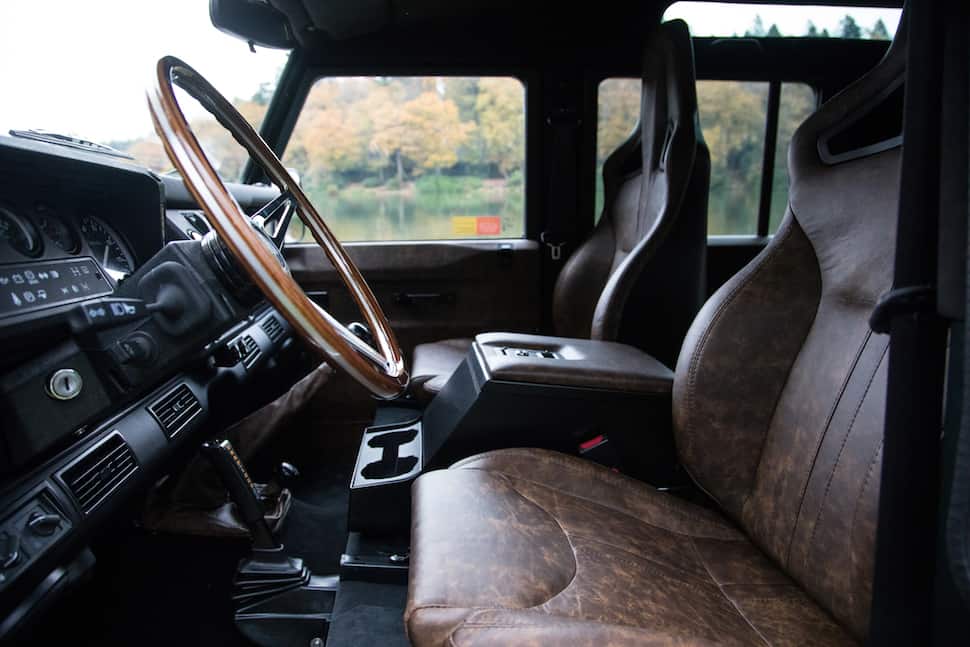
{"x":373,"y":216}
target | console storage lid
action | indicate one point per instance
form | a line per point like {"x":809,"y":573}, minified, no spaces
{"x":561,"y":361}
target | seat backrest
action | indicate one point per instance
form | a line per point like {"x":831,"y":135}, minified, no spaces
{"x":639,"y":277}
{"x":780,"y":387}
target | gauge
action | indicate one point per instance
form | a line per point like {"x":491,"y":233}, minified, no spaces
{"x":19,"y":233}
{"x":57,"y":230}
{"x":108,"y":247}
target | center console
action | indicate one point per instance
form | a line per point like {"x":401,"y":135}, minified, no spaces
{"x":516,"y":390}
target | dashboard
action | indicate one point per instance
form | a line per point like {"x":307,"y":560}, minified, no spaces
{"x":100,"y":393}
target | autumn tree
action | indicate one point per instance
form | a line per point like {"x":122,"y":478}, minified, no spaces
{"x":501,"y":122}
{"x":431,"y":131}
{"x":619,"y":111}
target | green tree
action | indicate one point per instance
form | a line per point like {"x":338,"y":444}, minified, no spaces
{"x":879,"y":31}
{"x":811,"y":30}
{"x":848,"y":28}
{"x":773,"y":31}
{"x":757,"y":29}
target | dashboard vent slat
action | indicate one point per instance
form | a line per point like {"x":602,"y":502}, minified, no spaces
{"x":175,"y":410}
{"x":100,"y":472}
{"x":273,"y":328}
{"x":249,"y":350}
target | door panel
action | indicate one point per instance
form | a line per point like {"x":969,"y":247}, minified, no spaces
{"x":432,"y":290}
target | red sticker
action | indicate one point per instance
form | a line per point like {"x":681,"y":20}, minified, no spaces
{"x":488,"y":225}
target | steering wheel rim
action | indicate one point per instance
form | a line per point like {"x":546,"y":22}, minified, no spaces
{"x":381,"y":371}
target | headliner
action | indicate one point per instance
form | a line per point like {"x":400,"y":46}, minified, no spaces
{"x":285,"y":23}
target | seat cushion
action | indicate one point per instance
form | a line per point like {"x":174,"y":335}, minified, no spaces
{"x":532,"y":547}
{"x":434,"y":363}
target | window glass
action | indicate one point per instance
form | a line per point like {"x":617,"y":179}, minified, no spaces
{"x":733,"y":116}
{"x":413,"y":158}
{"x":796,"y":102}
{"x":715,"y":19}
{"x":618,"y":112}
{"x":57,"y":90}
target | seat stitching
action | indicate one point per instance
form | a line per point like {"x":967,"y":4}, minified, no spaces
{"x":637,"y":555}
{"x":734,"y":605}
{"x":687,"y":515}
{"x":862,"y":490}
{"x":607,"y":478}
{"x":822,"y":437}
{"x":845,"y":440}
{"x":743,"y":283}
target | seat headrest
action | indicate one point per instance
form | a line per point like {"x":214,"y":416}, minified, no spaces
{"x":668,"y":101}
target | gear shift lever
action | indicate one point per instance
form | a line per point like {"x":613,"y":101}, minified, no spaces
{"x":236,"y":479}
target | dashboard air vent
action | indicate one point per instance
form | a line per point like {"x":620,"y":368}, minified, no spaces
{"x":99,"y":472}
{"x":249,"y":350}
{"x":273,"y":328}
{"x":175,"y":410}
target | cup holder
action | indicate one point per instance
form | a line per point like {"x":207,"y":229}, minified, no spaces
{"x":393,"y":454}
{"x":393,"y":439}
{"x":385,"y":469}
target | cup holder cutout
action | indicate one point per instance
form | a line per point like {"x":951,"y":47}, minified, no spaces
{"x":391,"y":464}
{"x":384,"y":469}
{"x":393,"y":439}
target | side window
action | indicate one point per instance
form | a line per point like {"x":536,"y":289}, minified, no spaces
{"x":413,"y":158}
{"x":734,"y":116}
{"x":618,"y":112}
{"x":796,"y":102}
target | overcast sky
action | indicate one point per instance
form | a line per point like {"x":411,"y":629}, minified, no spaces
{"x":81,"y":68}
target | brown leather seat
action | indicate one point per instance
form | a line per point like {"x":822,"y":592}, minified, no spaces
{"x":778,"y":412}
{"x":653,"y":227}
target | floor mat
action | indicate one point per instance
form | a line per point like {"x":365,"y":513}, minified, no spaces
{"x":368,"y":614}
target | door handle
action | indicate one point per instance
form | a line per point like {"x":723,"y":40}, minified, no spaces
{"x":429,"y":298}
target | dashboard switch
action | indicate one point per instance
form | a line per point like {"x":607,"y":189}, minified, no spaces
{"x":43,"y":524}
{"x":9,"y":549}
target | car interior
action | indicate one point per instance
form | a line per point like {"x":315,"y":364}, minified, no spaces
{"x":504,"y":323}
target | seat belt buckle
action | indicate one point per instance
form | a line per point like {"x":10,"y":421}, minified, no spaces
{"x":555,"y":249}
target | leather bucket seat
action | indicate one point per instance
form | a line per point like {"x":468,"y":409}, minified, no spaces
{"x":640,"y":276}
{"x":779,"y":402}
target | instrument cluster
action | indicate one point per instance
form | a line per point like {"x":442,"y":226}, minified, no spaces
{"x":50,"y":256}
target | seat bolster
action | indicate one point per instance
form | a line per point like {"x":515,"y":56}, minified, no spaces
{"x":512,"y":554}
{"x":491,"y":628}
{"x":586,"y":480}
{"x":434,"y":363}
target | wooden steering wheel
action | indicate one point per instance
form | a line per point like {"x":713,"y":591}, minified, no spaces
{"x":382,"y":370}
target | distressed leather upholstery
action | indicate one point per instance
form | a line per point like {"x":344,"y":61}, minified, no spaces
{"x":653,"y":228}
{"x":778,"y":398}
{"x":554,"y":550}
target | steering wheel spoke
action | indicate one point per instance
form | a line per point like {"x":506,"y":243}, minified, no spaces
{"x":381,"y":368}
{"x":274,"y":217}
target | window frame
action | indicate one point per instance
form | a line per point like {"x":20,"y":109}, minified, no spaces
{"x":295,"y":87}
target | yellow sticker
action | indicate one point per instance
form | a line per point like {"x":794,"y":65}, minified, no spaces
{"x":464,"y":225}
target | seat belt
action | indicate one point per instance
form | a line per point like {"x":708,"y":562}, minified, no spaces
{"x":563,"y":128}
{"x":903,"y":587}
